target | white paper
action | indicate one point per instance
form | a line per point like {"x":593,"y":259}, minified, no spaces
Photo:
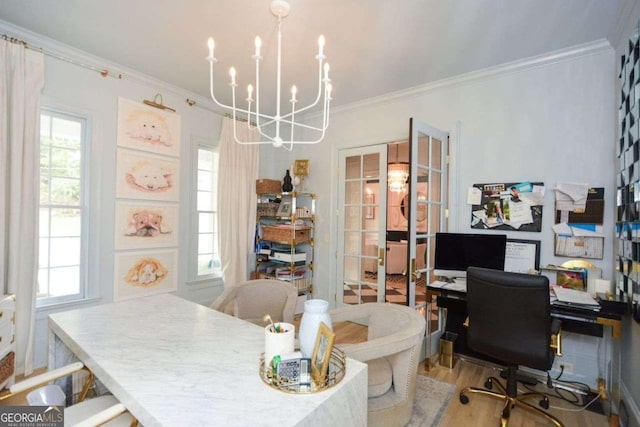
{"x":520,"y":213}
{"x":576,"y":191}
{"x":562,"y":229}
{"x":474,"y":196}
{"x":520,"y":257}
{"x":534,"y":198}
{"x":574,"y":296}
{"x":565,"y":202}
{"x":581,"y":232}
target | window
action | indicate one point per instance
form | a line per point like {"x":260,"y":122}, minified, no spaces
{"x":208,"y":264}
{"x":63,"y":212}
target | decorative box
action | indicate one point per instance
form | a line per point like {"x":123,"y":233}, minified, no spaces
{"x":268,"y":186}
{"x":286,"y":234}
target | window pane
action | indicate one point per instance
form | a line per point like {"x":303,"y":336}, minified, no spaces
{"x":45,"y":125}
{"x":43,"y":282}
{"x":64,"y":281}
{"x":44,"y":222}
{"x":205,"y":223}
{"x":65,"y":251}
{"x":65,"y":162}
{"x":205,"y":159}
{"x":66,"y":222}
{"x":205,"y":243}
{"x":204,"y":201}
{"x":65,"y":191}
{"x":66,"y":133}
{"x":205,"y":264}
{"x":43,"y":257}
{"x":205,"y":181}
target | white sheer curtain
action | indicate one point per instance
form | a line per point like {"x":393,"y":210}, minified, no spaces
{"x":21,"y":83}
{"x":237,"y":174}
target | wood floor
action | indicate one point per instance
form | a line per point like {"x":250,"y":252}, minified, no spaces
{"x":481,"y":410}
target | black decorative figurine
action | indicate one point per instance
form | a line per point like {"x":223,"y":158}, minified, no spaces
{"x":287,"y":187}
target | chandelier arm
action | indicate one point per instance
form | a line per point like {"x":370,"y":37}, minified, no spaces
{"x":314,"y":103}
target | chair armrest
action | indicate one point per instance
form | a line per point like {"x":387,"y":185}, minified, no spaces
{"x":103,"y":416}
{"x":377,"y":348}
{"x":45,"y":377}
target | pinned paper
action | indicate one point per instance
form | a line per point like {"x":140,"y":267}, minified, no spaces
{"x":474,"y":196}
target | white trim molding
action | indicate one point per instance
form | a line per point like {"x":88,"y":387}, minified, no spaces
{"x":630,"y":404}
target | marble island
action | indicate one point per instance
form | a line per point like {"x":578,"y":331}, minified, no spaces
{"x":172,"y":362}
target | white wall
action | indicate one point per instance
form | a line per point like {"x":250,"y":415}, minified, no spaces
{"x":72,"y":88}
{"x":547,"y":119}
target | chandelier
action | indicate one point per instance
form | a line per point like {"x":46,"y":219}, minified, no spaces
{"x":397,"y":174}
{"x":280,"y":9}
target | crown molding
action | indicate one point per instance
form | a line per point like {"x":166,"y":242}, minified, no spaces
{"x":86,"y":60}
{"x":561,"y":55}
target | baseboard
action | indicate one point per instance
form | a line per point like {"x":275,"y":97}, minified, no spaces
{"x":632,"y":411}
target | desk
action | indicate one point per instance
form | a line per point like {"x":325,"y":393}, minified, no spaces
{"x":576,"y":320}
{"x":172,"y":362}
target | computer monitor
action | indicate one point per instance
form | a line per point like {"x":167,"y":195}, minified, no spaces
{"x":457,"y":251}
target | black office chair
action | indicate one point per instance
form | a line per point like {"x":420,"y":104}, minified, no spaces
{"x":510,"y":320}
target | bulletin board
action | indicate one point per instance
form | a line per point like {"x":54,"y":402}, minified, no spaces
{"x":512,"y":206}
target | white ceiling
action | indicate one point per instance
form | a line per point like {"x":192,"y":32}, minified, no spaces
{"x":374,"y":46}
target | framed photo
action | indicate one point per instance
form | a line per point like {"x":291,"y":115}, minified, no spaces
{"x":284,"y":209}
{"x":322,"y":353}
{"x":301,"y":167}
{"x":522,"y":256}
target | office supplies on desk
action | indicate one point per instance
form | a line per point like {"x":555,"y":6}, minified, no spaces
{"x":573,"y":296}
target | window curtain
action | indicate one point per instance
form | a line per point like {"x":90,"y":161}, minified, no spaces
{"x":237,"y":174}
{"x":21,"y":83}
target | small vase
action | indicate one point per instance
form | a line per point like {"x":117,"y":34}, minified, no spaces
{"x":287,"y":187}
{"x":315,"y":311}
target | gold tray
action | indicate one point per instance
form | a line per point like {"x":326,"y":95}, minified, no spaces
{"x":337,"y":370}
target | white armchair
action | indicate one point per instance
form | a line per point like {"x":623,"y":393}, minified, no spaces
{"x":392,"y":352}
{"x":252,"y":299}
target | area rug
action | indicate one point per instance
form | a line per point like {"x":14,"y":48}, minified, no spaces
{"x":431,"y":402}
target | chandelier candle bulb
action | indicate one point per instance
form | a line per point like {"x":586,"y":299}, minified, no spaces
{"x":326,"y":72}
{"x":320,"y":46}
{"x":294,"y":90}
{"x":232,"y":73}
{"x":211,"y":45}
{"x":249,"y":93}
{"x":258,"y":43}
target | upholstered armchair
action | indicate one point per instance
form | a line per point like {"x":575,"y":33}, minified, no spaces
{"x":253,"y":299}
{"x":392,"y":352}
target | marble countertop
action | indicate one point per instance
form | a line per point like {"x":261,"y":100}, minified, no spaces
{"x":173,"y":362}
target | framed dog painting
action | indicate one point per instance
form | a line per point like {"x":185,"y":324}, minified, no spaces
{"x":139,"y":274}
{"x":147,"y":128}
{"x":146,"y":225}
{"x":147,"y":176}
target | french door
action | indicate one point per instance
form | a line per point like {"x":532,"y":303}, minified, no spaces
{"x":416,"y":212}
{"x":362,"y":225}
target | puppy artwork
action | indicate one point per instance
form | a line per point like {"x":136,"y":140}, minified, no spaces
{"x":147,"y":272}
{"x":149,"y":177}
{"x":148,"y":129}
{"x":145,"y":225}
{"x":146,"y":176}
{"x":142,"y":273}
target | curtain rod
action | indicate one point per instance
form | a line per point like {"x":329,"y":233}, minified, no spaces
{"x":103,"y":71}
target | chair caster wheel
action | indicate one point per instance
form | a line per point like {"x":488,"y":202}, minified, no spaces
{"x":488,"y":384}
{"x":464,"y":399}
{"x":544,"y":403}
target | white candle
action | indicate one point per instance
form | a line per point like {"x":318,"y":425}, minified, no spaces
{"x":258,"y":43}
{"x":250,"y":91}
{"x":320,"y":44}
{"x":326,"y":71}
{"x":211,"y":44}
{"x":294,"y":91}
{"x":232,"y":73}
